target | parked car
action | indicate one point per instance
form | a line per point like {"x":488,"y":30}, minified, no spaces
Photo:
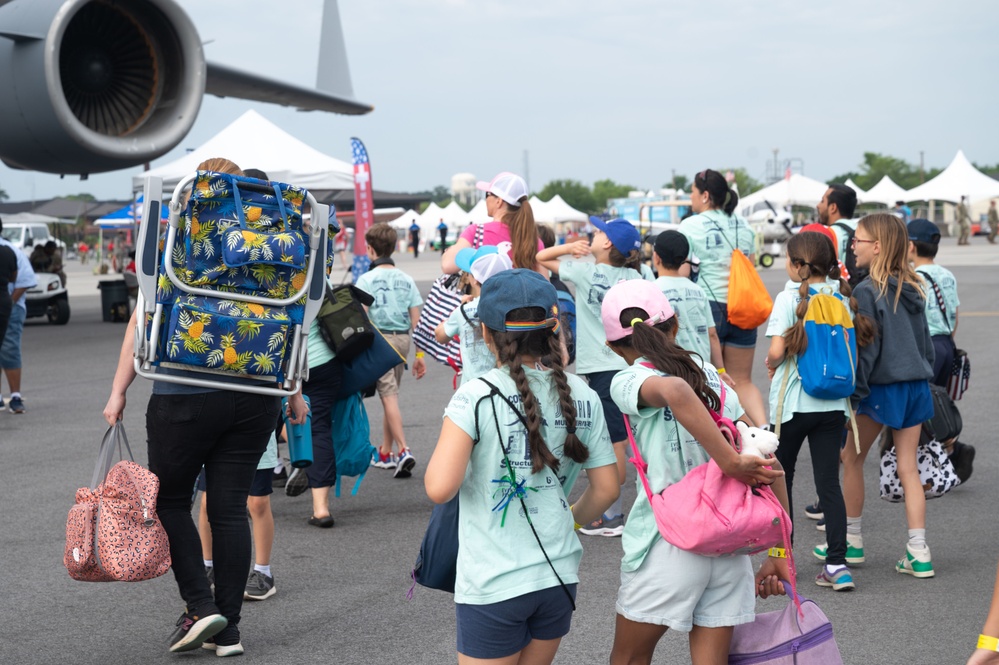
{"x":26,"y":235}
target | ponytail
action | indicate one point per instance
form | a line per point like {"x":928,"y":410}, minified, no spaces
{"x":523,"y":234}
{"x":617,"y":259}
{"x":721,"y":195}
{"x":731,"y":201}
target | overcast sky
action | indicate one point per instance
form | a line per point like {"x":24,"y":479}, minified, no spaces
{"x":628,"y":90}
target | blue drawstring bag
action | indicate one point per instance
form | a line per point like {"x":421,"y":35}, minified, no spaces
{"x":351,"y":440}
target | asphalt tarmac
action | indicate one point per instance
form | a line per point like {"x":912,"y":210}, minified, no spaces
{"x":341,"y":593}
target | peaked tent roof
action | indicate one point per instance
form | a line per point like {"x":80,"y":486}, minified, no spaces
{"x":960,"y":178}
{"x":796,"y":190}
{"x":478,"y":214}
{"x":252,"y":141}
{"x":455,"y":215}
{"x":563,"y":212}
{"x":886,"y":192}
{"x":405,"y":220}
{"x":852,"y":185}
{"x":540,"y":210}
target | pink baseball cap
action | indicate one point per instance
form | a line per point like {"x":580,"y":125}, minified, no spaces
{"x":508,"y":186}
{"x":630,"y":293}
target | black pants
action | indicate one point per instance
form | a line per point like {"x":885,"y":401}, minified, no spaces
{"x":226,"y":432}
{"x":321,"y":388}
{"x":943,"y":346}
{"x":825,"y":435}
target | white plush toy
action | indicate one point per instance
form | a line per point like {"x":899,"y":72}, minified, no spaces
{"x":756,"y":441}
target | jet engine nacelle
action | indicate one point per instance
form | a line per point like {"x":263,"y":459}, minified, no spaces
{"x":96,"y":85}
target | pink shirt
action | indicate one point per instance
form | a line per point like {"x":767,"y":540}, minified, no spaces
{"x":494,"y":233}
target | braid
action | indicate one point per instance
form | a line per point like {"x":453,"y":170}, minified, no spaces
{"x":795,"y":338}
{"x":573,"y":447}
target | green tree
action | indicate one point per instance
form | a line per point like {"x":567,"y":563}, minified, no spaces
{"x":574,"y":193}
{"x":876,"y":166}
{"x":746,"y":183}
{"x":604,"y":190}
{"x":678,"y":182}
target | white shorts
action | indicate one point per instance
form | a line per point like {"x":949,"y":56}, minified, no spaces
{"x":680,"y":590}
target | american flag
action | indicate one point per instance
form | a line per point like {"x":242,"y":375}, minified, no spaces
{"x":364,"y":205}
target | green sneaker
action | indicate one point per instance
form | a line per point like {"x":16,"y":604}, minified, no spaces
{"x":915,"y":563}
{"x":854,"y":550}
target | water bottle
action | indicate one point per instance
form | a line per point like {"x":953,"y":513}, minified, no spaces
{"x":299,"y":436}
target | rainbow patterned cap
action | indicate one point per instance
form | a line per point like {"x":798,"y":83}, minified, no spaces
{"x":516,"y":289}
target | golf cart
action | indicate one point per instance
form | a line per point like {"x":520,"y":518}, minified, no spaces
{"x":48,"y":298}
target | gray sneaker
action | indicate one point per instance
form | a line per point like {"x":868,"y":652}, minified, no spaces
{"x":610,"y":528}
{"x":297,"y":483}
{"x":259,"y":586}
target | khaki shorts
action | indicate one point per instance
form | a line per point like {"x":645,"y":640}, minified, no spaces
{"x":388,"y":384}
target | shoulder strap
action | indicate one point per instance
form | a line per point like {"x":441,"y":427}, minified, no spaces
{"x":480,"y":232}
{"x":461,"y":307}
{"x":940,"y":299}
{"x":718,"y":226}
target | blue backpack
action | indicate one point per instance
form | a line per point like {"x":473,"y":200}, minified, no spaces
{"x":828,"y":366}
{"x":351,"y":445}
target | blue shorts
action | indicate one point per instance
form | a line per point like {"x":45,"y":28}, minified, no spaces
{"x":498,"y":630}
{"x":728,"y":334}
{"x":898,"y":405}
{"x":10,"y":351}
{"x":601,"y":383}
{"x":263,"y":482}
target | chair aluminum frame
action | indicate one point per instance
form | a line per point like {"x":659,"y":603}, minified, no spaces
{"x":147,"y":334}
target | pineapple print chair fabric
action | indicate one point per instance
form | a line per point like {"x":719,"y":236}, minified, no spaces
{"x":239,"y":280}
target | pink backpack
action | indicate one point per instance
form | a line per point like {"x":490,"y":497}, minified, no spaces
{"x":112,"y":533}
{"x":711,"y":514}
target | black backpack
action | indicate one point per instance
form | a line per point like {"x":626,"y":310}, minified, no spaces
{"x":343,"y":323}
{"x":857,"y":274}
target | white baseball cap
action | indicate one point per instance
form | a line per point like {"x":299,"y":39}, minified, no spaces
{"x":508,"y":186}
{"x":484,"y":262}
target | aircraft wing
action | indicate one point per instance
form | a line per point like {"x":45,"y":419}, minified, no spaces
{"x":224,"y":81}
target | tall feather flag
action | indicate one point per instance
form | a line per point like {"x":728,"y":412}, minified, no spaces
{"x":364,"y":207}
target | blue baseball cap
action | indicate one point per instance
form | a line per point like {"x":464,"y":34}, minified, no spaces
{"x":484,"y":262}
{"x":923,"y":230}
{"x":515,"y":289}
{"x":622,"y":234}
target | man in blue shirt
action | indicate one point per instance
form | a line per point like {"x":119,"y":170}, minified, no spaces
{"x":10,"y":350}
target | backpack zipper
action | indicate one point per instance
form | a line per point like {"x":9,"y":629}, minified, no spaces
{"x":810,"y":640}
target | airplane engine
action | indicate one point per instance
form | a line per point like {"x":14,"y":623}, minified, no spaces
{"x":96,"y":85}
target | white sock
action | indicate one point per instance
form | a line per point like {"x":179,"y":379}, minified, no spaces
{"x":208,"y":563}
{"x":266,"y":570}
{"x":13,"y":395}
{"x":279,"y":468}
{"x":917,"y":539}
{"x":853,"y":525}
{"x":832,"y":570}
{"x":614,"y":510}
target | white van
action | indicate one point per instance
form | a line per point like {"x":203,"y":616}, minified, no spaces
{"x":26,"y":235}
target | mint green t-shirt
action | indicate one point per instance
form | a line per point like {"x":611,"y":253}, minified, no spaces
{"x":712,"y":236}
{"x":592,"y":281}
{"x":693,"y":314}
{"x":269,"y":459}
{"x":476,"y":358}
{"x":842,"y":236}
{"x":668,"y":449}
{"x":394,"y":292}
{"x":500,"y":559}
{"x":318,"y":352}
{"x":796,"y":400}
{"x":647,"y":272}
{"x":939,"y":323}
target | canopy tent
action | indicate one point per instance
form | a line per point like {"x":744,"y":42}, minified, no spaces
{"x":252,"y":141}
{"x":560,"y":211}
{"x":960,"y":178}
{"x":540,"y":210}
{"x":454,"y":215}
{"x":885,"y":192}
{"x":405,"y":220}
{"x":852,"y":185}
{"x":796,"y":190}
{"x":478,"y":214}
{"x":129,"y":215}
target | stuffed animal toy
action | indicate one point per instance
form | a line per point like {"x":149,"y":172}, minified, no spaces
{"x":756,"y":441}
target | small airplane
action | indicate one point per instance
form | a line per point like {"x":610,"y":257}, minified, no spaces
{"x":92,"y":85}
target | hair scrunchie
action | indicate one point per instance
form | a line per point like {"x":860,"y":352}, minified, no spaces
{"x":635,"y":320}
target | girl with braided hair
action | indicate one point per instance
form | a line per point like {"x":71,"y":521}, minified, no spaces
{"x":666,"y":392}
{"x":511,"y":446}
{"x":812,"y":265}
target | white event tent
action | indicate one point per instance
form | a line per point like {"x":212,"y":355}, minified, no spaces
{"x":886,"y":192}
{"x":960,"y":178}
{"x":560,"y":211}
{"x":855,"y":187}
{"x":252,"y":141}
{"x":796,"y":190}
{"x":406,"y":220}
{"x":478,"y":214}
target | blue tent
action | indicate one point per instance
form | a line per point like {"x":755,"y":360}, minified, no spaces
{"x":127,"y":216}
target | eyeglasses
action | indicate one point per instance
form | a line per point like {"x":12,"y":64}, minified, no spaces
{"x":488,"y":194}
{"x":856,"y":240}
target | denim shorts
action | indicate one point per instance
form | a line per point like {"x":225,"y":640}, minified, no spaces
{"x":498,"y":630}
{"x":898,"y":405}
{"x":10,"y":351}
{"x":728,"y":334}
{"x":680,"y":590}
{"x":601,"y":383}
{"x":263,"y":482}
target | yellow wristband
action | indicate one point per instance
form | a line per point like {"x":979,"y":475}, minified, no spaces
{"x":419,"y":354}
{"x":576,"y":526}
{"x":721,"y":370}
{"x":777,"y":552}
{"x":987,"y":642}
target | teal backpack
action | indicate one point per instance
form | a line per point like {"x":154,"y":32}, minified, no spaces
{"x":351,"y":444}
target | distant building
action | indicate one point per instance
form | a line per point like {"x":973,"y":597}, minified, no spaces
{"x":630,"y":208}
{"x":463,"y":189}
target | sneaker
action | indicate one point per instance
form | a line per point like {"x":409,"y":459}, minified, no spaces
{"x":210,"y":574}
{"x":404,"y":468}
{"x":814,"y":511}
{"x":16,"y":405}
{"x":610,"y":528}
{"x":226,"y":643}
{"x":821,"y":525}
{"x":193,"y":628}
{"x":963,"y":458}
{"x":854,"y":549}
{"x":841,"y":580}
{"x":297,"y":483}
{"x":382,"y":461}
{"x":916,"y":563}
{"x":259,"y":586}
{"x":280,"y":478}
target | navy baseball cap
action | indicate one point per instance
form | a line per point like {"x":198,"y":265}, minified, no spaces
{"x":514,"y":289}
{"x":622,"y":234}
{"x":923,"y":230}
